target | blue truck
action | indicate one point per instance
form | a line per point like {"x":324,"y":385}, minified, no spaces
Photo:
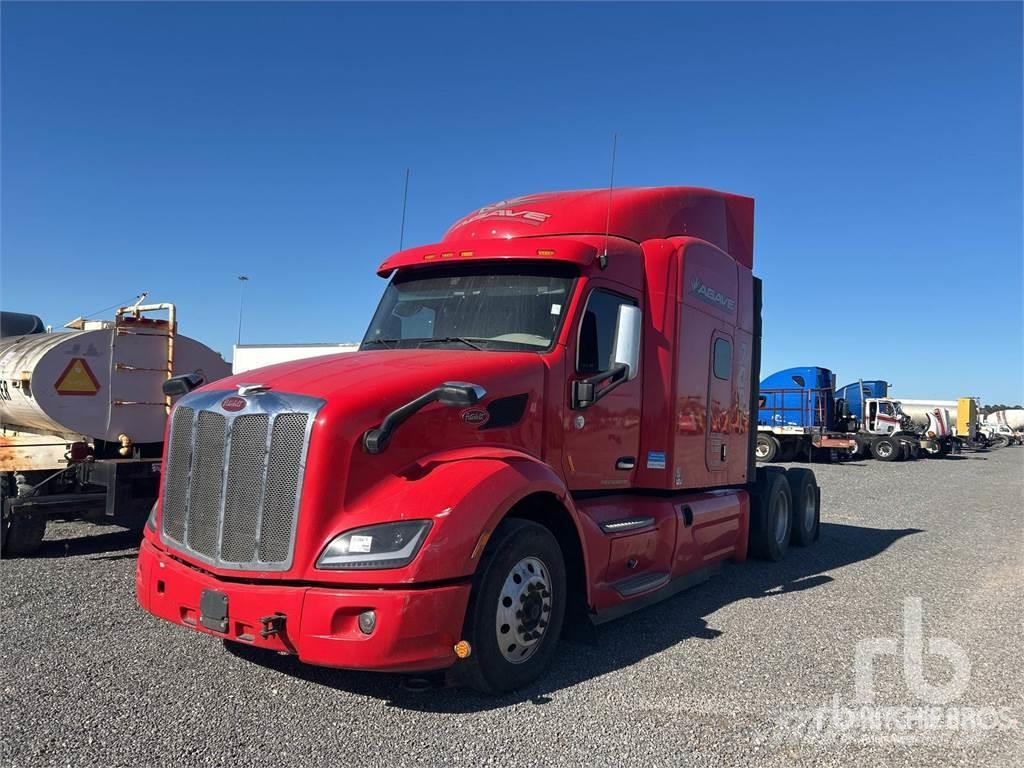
{"x":800,"y":410}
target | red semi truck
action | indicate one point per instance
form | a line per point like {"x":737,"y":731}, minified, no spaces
{"x":548,"y":420}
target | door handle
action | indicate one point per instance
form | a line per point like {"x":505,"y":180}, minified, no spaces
{"x":626,"y":462}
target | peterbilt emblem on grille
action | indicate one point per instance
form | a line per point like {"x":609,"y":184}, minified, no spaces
{"x":233,"y":403}
{"x":476,"y":416}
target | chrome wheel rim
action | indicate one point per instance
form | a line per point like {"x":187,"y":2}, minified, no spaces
{"x":524,"y":610}
{"x":761,"y":450}
{"x":885,"y":449}
{"x":781,"y":510}
{"x":810,"y":503}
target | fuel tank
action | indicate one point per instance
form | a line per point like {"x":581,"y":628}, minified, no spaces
{"x":99,"y":382}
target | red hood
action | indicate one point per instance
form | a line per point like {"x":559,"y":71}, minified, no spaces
{"x":388,"y":378}
{"x":361,"y":388}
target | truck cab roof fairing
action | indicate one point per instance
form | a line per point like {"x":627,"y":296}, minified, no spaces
{"x":536,"y":249}
{"x":633,"y":213}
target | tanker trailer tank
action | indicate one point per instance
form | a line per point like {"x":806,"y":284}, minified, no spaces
{"x":82,"y":417}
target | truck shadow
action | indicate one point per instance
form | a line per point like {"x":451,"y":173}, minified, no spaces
{"x":111,"y":542}
{"x":624,"y":642}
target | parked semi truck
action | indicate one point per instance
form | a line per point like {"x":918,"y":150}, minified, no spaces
{"x":548,"y":421}
{"x":942,"y":426}
{"x":801,"y":410}
{"x":796,"y":416}
{"x":82,"y":417}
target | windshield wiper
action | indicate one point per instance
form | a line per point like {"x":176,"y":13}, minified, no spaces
{"x":448,"y":339}
{"x":386,"y":342}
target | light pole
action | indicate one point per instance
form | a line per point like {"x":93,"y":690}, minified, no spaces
{"x":242,"y":280}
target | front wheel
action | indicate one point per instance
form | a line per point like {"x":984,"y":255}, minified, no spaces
{"x":516,"y":609}
{"x":886,"y":449}
{"x":766,"y":447}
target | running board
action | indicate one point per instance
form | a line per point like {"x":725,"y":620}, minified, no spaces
{"x":642,"y":582}
{"x":673,"y":587}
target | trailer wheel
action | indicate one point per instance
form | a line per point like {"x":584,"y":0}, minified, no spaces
{"x":21,"y":534}
{"x":516,"y":608}
{"x":886,"y":449}
{"x":806,"y":506}
{"x":766,"y":447}
{"x":771,"y":517}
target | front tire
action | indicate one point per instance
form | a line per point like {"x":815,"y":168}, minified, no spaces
{"x":516,"y":609}
{"x":886,"y":449}
{"x":766,"y":447}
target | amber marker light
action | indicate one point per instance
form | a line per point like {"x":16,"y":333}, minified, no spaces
{"x":545,"y":252}
{"x":463,"y":649}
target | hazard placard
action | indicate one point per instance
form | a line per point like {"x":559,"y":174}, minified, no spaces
{"x":77,"y":379}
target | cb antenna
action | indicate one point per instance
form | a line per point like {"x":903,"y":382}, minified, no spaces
{"x":602,"y":260}
{"x":405,"y":202}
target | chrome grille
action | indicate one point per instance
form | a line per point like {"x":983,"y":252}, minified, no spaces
{"x":245,"y":488}
{"x":282,"y":477}
{"x":234,"y":480}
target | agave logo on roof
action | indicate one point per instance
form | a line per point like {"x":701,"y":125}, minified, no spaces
{"x":505,"y":209}
{"x":711,"y":296}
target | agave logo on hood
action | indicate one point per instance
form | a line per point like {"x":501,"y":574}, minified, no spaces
{"x":711,"y":296}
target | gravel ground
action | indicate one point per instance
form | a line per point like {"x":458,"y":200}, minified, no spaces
{"x":726,"y":673}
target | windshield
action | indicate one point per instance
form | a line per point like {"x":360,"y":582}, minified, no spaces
{"x":493,"y":306}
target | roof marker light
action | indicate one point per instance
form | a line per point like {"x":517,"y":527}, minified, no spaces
{"x":465,"y":254}
{"x":447,"y":255}
{"x":430,"y":256}
{"x":546,"y":252}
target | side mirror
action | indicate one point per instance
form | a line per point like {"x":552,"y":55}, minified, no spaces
{"x":451,"y":393}
{"x":182,"y":385}
{"x":627,"y":339}
{"x":460,"y":393}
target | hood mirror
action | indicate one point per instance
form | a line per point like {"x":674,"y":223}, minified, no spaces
{"x":460,"y":393}
{"x":182,"y":385}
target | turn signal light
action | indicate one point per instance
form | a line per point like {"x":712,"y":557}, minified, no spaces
{"x":463,"y":649}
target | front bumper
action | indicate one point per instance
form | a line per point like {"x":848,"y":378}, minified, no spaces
{"x":416,"y":629}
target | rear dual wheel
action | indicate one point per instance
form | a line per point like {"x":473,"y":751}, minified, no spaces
{"x":785,"y":508}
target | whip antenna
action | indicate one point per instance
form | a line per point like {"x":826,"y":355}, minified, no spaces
{"x":405,"y":201}
{"x":603,"y":258}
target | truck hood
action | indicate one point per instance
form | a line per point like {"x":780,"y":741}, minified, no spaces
{"x":388,"y":378}
{"x":360,"y":388}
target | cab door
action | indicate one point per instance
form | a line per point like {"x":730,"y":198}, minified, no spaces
{"x":601,"y":441}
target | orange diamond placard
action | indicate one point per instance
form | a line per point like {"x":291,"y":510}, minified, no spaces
{"x":77,"y":379}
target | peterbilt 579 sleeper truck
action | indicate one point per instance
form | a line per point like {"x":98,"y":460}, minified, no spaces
{"x":548,"y":420}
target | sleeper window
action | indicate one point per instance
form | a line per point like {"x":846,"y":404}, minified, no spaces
{"x":723,"y":359}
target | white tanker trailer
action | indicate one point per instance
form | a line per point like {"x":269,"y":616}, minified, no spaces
{"x":1012,"y":417}
{"x":82,"y":417}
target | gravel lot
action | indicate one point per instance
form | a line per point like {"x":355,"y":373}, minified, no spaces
{"x":717,"y":675}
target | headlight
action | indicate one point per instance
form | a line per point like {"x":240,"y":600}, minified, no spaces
{"x":151,"y":520}
{"x":390,"y":545}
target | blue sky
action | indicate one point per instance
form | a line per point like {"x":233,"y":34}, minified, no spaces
{"x":171,"y":146}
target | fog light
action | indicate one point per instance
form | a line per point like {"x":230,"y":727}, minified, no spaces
{"x":367,"y":621}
